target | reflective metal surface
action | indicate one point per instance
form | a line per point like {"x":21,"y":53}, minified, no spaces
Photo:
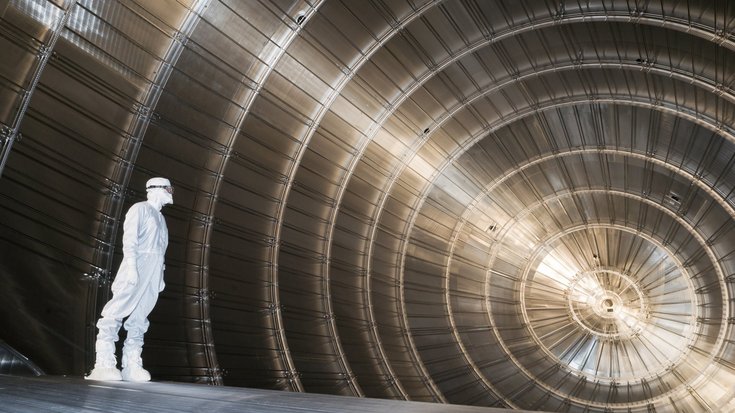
{"x":74,"y":395}
{"x":524,"y":204}
{"x":16,"y":364}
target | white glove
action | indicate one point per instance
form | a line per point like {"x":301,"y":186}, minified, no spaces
{"x":133,"y":277}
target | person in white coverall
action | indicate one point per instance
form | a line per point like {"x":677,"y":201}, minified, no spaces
{"x":136,"y":287}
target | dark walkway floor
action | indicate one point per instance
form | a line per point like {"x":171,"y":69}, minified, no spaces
{"x":63,"y":395}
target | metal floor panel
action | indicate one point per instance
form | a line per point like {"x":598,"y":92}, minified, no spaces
{"x":64,"y":394}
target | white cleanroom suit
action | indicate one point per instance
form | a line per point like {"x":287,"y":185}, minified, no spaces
{"x":136,"y":287}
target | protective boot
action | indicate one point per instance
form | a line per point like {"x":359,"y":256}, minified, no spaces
{"x":132,"y":365}
{"x":105,"y":365}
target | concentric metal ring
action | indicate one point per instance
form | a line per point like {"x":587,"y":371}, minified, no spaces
{"x":606,"y":323}
{"x":607,"y":303}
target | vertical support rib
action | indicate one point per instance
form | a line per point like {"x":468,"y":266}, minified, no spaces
{"x":10,"y":134}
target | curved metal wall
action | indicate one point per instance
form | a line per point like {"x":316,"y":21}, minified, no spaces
{"x":504,"y":203}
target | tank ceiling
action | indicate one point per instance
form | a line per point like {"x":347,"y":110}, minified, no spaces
{"x":524,"y":204}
